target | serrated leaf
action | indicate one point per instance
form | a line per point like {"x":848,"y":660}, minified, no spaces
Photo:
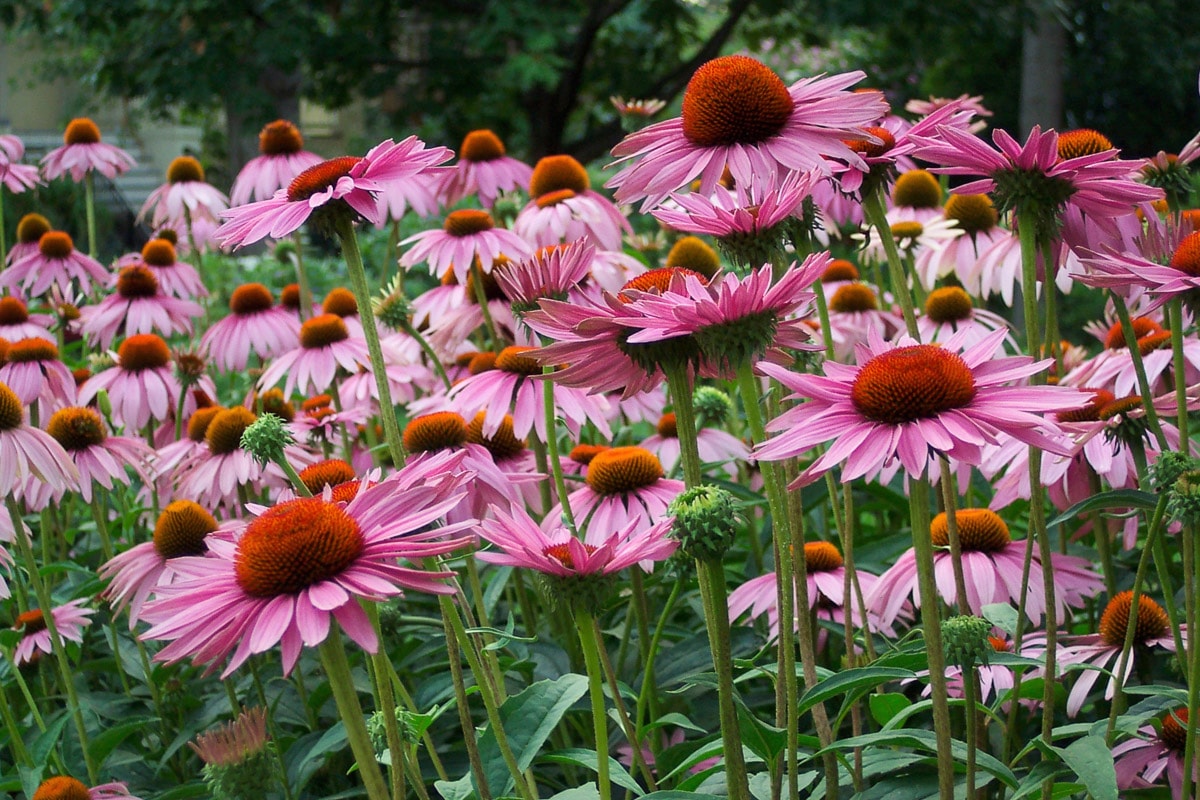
{"x":1002,"y":615}
{"x":1092,"y":761}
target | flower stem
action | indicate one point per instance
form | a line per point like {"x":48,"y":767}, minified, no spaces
{"x":1191,"y":568}
{"x":591,"y":658}
{"x":931,"y":621}
{"x":386,"y":705}
{"x":552,"y":454}
{"x":970,"y":676}
{"x":1139,"y":369}
{"x":948,"y":500}
{"x":362,"y":295}
{"x":306,"y":298}
{"x":1175,"y":320}
{"x":89,"y":207}
{"x":876,"y":216}
{"x":337,"y":670}
{"x":427,"y":349}
{"x":680,"y":386}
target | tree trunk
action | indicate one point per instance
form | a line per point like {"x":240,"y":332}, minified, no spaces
{"x":1043,"y":43}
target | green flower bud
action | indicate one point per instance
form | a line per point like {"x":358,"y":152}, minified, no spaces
{"x":265,"y":438}
{"x":705,"y":521}
{"x":713,"y":407}
{"x":587,"y":592}
{"x":1169,"y":467}
{"x":965,"y":640}
{"x":1183,"y":502}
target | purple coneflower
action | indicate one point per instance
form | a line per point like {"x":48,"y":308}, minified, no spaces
{"x":56,"y":262}
{"x":64,"y":787}
{"x":184,"y":197}
{"x":137,"y":306}
{"x":253,"y":325}
{"x":483,"y":169}
{"x":303,"y":563}
{"x":83,"y":152}
{"x":29,"y":452}
{"x":69,"y":620}
{"x":466,"y":235}
{"x":325,"y":346}
{"x":141,"y":385}
{"x":563,"y":207}
{"x":1142,"y":760}
{"x":176,"y":278}
{"x":282,"y":158}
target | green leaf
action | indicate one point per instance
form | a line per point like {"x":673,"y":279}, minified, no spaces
{"x":1117,"y":498}
{"x":1002,"y":615}
{"x":528,"y":719}
{"x":589,"y":791}
{"x":45,"y":742}
{"x":765,"y":741}
{"x":850,"y":680}
{"x":1092,"y":761}
{"x":677,"y":795}
{"x":587,"y":759}
{"x":677,"y":720}
{"x":101,"y":746}
{"x":886,"y":706}
{"x":455,"y":790}
{"x":923,"y":740}
{"x":302,"y":763}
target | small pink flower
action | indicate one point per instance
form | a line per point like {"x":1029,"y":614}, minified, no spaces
{"x":254,"y":325}
{"x":282,"y":158}
{"x":140,"y":386}
{"x":83,"y":152}
{"x":185,"y":196}
{"x":563,"y":207}
{"x":483,"y":169}
{"x":325,"y":347}
{"x":69,"y":620}
{"x":55,"y":263}
{"x":27,"y":452}
{"x":137,"y":306}
{"x":175,"y":278}
{"x":1141,"y":761}
{"x":466,"y":235}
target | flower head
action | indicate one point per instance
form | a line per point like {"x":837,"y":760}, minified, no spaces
{"x":282,"y":157}
{"x":83,"y":152}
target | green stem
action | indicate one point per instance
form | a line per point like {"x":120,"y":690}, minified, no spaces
{"x":876,"y":215}
{"x":306,"y":298}
{"x":552,"y":454}
{"x":1191,"y":568}
{"x":15,"y":742}
{"x":386,"y":705}
{"x":427,"y":349}
{"x":45,"y":603}
{"x":1139,"y":369}
{"x":362,"y":295}
{"x":481,"y":299}
{"x":680,"y":386}
{"x":949,"y":500}
{"x":970,"y":676}
{"x":647,"y":693}
{"x":272,"y":728}
{"x":341,"y":683}
{"x":464,"y":711}
{"x":89,"y":205}
{"x":931,"y":621}
{"x":1175,"y":320}
{"x":711,"y":574}
{"x":591,"y":658}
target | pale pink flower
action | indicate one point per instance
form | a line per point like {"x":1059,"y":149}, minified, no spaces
{"x":254,"y":325}
{"x":714,"y":445}
{"x":83,"y":152}
{"x":27,"y":452}
{"x":33,"y":370}
{"x":16,"y":323}
{"x":466,"y":235}
{"x":55,"y":263}
{"x":325,"y":347}
{"x":137,"y":306}
{"x":69,"y":620}
{"x":483,"y":169}
{"x":176,"y":278}
{"x":1143,"y":760}
{"x":141,"y":385}
{"x":282,"y":158}
{"x":550,"y":272}
{"x":747,"y":210}
{"x":185,"y":197}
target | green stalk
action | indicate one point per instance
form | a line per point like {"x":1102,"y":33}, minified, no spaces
{"x":427,"y":349}
{"x":931,"y":621}
{"x":876,"y":215}
{"x":1191,"y":567}
{"x":337,"y":670}
{"x":591,"y":658}
{"x":970,"y":675}
{"x":306,"y":298}
{"x":89,"y":205}
{"x":386,"y":705}
{"x":560,"y":486}
{"x":362,"y":295}
{"x":45,"y":603}
{"x":1139,"y":369}
{"x":646,"y":695}
{"x":481,"y":299}
{"x":15,"y":742}
{"x":1175,"y":320}
{"x":949,"y":500}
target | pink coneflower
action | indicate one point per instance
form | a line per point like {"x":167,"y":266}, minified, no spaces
{"x":254,"y":325}
{"x":319,"y":423}
{"x":550,"y":272}
{"x":1142,"y":760}
{"x":992,"y":565}
{"x":912,"y":402}
{"x":826,"y":592}
{"x":715,"y":446}
{"x":733,"y":318}
{"x":976,"y":217}
{"x":137,"y":306}
{"x":62,"y":787}
{"x":30,"y":229}
{"x":1113,"y":369}
{"x":466,"y":235}
{"x":55,"y":263}
{"x":176,"y":278}
{"x":855,"y":315}
{"x":1097,"y":183}
{"x":738,"y":114}
{"x":239,"y":746}
{"x":16,"y":323}
{"x":69,"y":619}
{"x":83,"y":152}
{"x":325,"y":346}
{"x":563,"y":208}
{"x":1103,"y":649}
{"x":185,"y":196}
{"x":911,"y":237}
{"x":29,"y":452}
{"x":182,"y":529}
{"x":100,"y":458}
{"x":283,"y":158}
{"x":744,"y":211}
{"x":949,"y":310}
{"x":483,"y":169}
{"x":554,"y":551}
{"x":33,"y":370}
{"x":141,"y":385}
{"x":346,"y":183}
{"x":303,"y":563}
{"x":213,"y":475}
{"x":509,"y":387}
{"x":1178,"y":277}
{"x":624,"y":484}
{"x":16,"y":177}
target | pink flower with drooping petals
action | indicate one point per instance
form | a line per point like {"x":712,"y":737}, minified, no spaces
{"x":100,"y":458}
{"x":418,"y":193}
{"x":346,"y":183}
{"x":747,"y":210}
{"x":141,"y":385}
{"x":483,"y":169}
{"x":56,"y":263}
{"x":1174,"y":274}
{"x":184,"y":198}
{"x":282,"y":158}
{"x":175,"y":278}
{"x":253,"y":325}
{"x":28,"y":452}
{"x":466,"y":235}
{"x":16,"y":177}
{"x":555,"y":551}
{"x":914,"y":402}
{"x":16,"y":323}
{"x":1141,"y":761}
{"x":137,"y":306}
{"x":325,"y":346}
{"x":83,"y":152}
{"x":69,"y":620}
{"x":738,"y":114}
{"x":551,"y":272}
{"x":301,"y":564}
{"x":34,"y":371}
